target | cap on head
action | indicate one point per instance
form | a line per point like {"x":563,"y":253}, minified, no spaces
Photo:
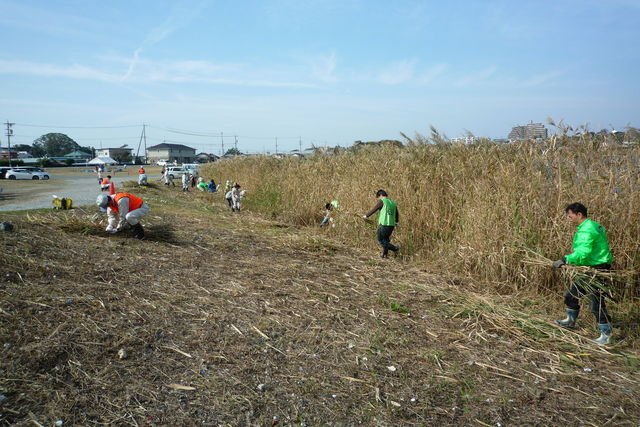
{"x":102,"y":201}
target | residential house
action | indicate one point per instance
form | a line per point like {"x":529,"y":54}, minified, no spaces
{"x":171,"y":152}
{"x":121,"y":153}
{"x":5,"y":153}
{"x":206,"y":157}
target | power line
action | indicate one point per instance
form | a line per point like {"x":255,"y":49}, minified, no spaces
{"x":191,"y":133}
{"x":202,"y":134}
{"x":76,"y":127}
{"x":116,"y":138}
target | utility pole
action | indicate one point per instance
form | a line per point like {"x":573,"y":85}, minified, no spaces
{"x":276,"y":145}
{"x":236,"y":143}
{"x":9,"y":135}
{"x":144,"y":134}
{"x":300,"y":145}
{"x":222,"y":149}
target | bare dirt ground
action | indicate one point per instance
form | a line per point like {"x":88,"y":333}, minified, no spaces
{"x":72,"y":182}
{"x":236,"y":320}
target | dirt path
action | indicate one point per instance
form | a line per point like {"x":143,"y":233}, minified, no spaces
{"x":234,"y":320}
{"x":25,"y":194}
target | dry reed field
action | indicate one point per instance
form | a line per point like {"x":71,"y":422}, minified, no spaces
{"x":239,"y":319}
{"x":475,"y":211}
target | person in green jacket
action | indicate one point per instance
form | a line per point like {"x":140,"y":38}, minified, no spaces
{"x":387,"y":220}
{"x":590,"y":248}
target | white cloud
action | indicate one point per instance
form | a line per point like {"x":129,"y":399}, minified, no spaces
{"x":476,"y":77}
{"x":180,"y":16}
{"x":46,"y":20}
{"x":156,"y":72}
{"x":324,"y":67}
{"x":50,"y":70}
{"x":398,"y":72}
{"x":539,"y":79}
{"x":432,"y":73}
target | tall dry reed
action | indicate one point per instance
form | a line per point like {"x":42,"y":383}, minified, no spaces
{"x":475,"y":210}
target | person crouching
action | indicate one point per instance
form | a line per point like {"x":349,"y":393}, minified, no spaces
{"x":122,"y":209}
{"x":104,"y":185}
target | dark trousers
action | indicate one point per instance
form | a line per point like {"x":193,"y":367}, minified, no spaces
{"x":384,"y":238}
{"x":585,"y":285}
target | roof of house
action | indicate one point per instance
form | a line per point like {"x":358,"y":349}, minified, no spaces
{"x":77,"y":154}
{"x":117,"y":148}
{"x":165,"y":146}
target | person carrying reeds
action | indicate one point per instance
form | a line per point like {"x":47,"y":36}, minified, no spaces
{"x":590,"y":248}
{"x":387,"y":220}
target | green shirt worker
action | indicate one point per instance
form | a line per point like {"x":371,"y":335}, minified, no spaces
{"x":590,"y":248}
{"x":387,"y":220}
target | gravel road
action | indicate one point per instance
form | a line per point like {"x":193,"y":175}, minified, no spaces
{"x":81,"y":187}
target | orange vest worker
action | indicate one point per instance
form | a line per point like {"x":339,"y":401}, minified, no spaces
{"x":134,"y":202}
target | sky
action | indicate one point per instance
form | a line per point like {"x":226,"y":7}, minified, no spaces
{"x":312,"y":72}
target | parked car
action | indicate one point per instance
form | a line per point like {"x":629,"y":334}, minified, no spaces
{"x":162,"y":162}
{"x":3,"y":171}
{"x":177,"y":171}
{"x":27,"y":173}
{"x":193,"y":168}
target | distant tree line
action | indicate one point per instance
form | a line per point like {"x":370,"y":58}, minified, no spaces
{"x":53,"y":145}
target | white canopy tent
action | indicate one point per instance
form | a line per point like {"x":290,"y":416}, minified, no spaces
{"x":103,"y":161}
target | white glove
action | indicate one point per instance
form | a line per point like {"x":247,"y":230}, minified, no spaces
{"x":364,"y":217}
{"x":110,"y":229}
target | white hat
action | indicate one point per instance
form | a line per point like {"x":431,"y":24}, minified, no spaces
{"x":102,"y":201}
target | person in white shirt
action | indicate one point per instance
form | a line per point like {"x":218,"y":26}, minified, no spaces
{"x":186,"y":179}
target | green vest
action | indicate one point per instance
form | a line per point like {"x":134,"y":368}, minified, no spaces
{"x":387,"y":215}
{"x":590,"y":246}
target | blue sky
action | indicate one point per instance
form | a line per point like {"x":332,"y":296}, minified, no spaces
{"x":328,"y":71}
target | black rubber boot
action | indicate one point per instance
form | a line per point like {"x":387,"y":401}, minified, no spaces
{"x":138,"y":231}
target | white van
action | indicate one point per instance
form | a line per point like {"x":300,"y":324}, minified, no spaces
{"x":193,"y":168}
{"x":177,"y":171}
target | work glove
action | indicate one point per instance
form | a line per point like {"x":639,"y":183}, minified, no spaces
{"x":559,"y":263}
{"x":110,"y":229}
{"x":364,"y":217}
